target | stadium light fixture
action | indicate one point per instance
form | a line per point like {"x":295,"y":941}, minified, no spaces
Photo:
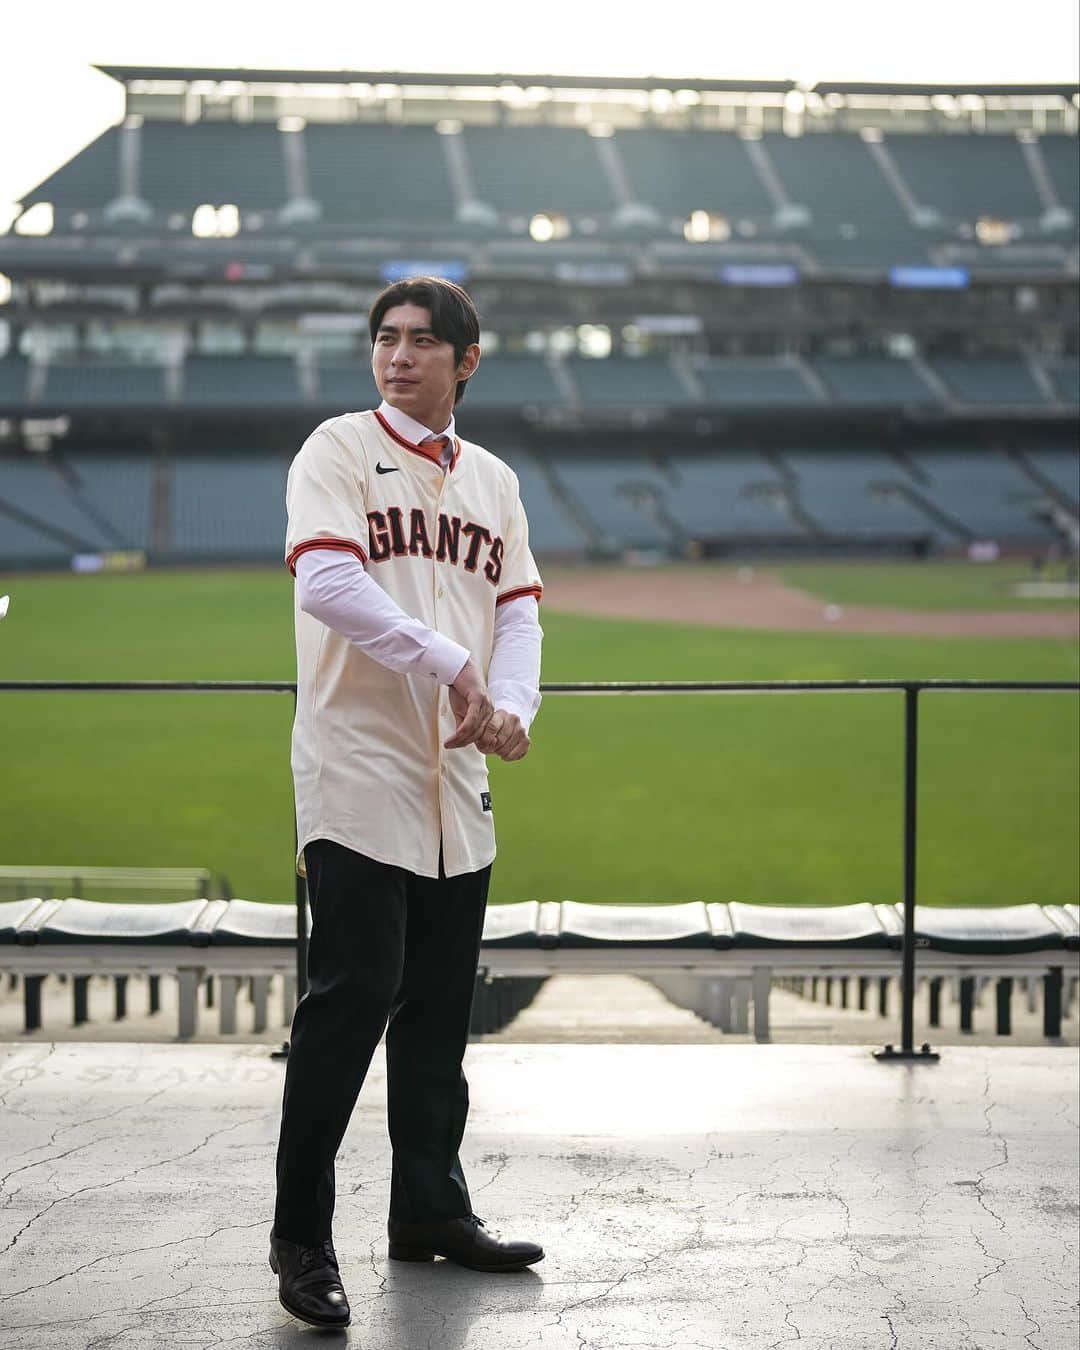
{"x":988,"y":230}
{"x":204,"y":221}
{"x":38,"y":220}
{"x":704,"y":226}
{"x":449,"y":126}
{"x":5,"y":289}
{"x":696,"y":229}
{"x":594,"y":340}
{"x":290,"y":122}
{"x":544,"y":227}
{"x":228,"y":221}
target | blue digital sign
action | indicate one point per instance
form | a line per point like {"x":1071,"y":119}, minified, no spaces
{"x":929,"y":278}
{"x":449,"y":271}
{"x":759,"y":274}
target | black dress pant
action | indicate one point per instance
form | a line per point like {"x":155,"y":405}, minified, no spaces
{"x":395,"y":951}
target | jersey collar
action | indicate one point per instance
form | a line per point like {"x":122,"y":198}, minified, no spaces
{"x":407,"y":431}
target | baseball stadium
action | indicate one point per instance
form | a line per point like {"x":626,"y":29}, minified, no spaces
{"x":789,"y":379}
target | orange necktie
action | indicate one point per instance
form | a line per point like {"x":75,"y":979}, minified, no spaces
{"x":433,"y":446}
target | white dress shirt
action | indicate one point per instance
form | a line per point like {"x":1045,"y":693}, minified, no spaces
{"x":334,"y":588}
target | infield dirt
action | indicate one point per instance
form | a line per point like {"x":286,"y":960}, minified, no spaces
{"x":759,"y":599}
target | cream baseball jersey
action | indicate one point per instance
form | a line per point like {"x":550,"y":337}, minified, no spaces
{"x":369,"y":767}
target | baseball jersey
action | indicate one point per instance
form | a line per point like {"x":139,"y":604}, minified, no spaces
{"x":369,"y":768}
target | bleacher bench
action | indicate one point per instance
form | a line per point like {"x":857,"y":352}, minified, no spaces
{"x":714,"y":957}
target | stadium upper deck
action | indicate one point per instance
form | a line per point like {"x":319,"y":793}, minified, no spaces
{"x":545,"y":175}
{"x":642,"y":252}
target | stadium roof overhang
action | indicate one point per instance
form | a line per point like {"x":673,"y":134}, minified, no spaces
{"x":233,"y":75}
{"x":859,"y":88}
{"x":486,"y":79}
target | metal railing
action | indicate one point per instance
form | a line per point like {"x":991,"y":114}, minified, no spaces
{"x":911,"y":690}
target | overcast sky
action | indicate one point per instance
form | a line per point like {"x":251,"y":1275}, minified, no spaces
{"x":52,"y":103}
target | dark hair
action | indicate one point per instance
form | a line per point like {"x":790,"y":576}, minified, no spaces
{"x":453,"y":315}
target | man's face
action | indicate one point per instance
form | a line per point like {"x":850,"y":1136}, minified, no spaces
{"x":416,"y":371}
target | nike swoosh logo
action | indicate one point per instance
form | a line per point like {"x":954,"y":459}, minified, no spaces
{"x":380,"y":469}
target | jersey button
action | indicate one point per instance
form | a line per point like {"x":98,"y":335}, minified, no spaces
{"x":440,"y":593}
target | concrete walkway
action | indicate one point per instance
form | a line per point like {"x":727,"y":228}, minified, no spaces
{"x":729,"y":1196}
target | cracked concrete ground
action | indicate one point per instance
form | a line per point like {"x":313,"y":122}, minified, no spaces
{"x":729,"y":1196}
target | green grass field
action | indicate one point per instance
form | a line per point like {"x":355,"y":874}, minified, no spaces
{"x":768,"y":798}
{"x":945,"y":584}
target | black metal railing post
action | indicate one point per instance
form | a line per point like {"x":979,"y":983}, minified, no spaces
{"x":911,"y":824}
{"x":300,"y":899}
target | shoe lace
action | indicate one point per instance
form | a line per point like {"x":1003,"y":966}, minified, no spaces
{"x":476,"y":1219}
{"x":323,"y":1252}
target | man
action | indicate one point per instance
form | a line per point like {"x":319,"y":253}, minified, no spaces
{"x":418,"y":653}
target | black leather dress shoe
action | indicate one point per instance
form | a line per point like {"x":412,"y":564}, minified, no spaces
{"x":309,"y":1285}
{"x":465,"y":1241}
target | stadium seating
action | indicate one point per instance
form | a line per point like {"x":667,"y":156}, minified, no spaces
{"x":834,"y":488}
{"x":529,"y":170}
{"x":711,"y":495}
{"x":1061,"y":467}
{"x":118,"y":490}
{"x":1063,"y":166}
{"x":1064,"y":374}
{"x":94,"y":384}
{"x":375,"y":174}
{"x":988,"y":381}
{"x":36,"y":486}
{"x":240,"y":381}
{"x":621,"y":382}
{"x":552,"y":529}
{"x":346,"y":386}
{"x":689,"y":950}
{"x":512,"y":383}
{"x":837,"y":179}
{"x":981,"y":488}
{"x":13,"y":371}
{"x":228,"y":506}
{"x":24,"y":546}
{"x":965,"y":177}
{"x":182,"y":166}
{"x":398,"y":181}
{"x":875,"y":382}
{"x":89,"y":179}
{"x":612,"y":495}
{"x":678,"y":172}
{"x":755,"y":384}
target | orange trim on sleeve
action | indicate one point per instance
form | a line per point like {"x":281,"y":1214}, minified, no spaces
{"x":345,"y":545}
{"x":536,"y":591}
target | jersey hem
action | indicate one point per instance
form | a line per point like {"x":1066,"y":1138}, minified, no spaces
{"x":382,"y":858}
